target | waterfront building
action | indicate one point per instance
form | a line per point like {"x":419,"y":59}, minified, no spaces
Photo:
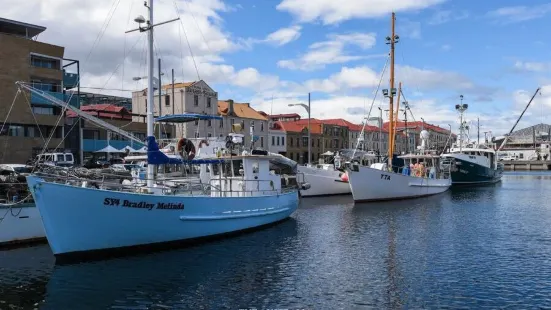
{"x":24,"y":58}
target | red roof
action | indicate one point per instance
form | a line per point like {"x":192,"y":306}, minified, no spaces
{"x":104,"y":110}
{"x":299,"y":126}
{"x":418,"y":125}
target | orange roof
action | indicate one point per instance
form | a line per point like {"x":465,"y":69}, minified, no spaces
{"x":298,"y":126}
{"x":176,"y":85}
{"x":179,"y":85}
{"x":242,"y":110}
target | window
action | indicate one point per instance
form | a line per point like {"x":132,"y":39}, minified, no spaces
{"x":43,"y":110}
{"x":208,"y":102}
{"x":273,"y":140}
{"x":304,"y":141}
{"x":291,"y":143}
{"x":196,"y":122}
{"x":221,"y":123}
{"x":261,"y":126}
{"x":44,"y":62}
{"x":318,"y":142}
{"x":277,"y":140}
{"x":261,"y":141}
{"x":32,"y":132}
{"x":209,"y":135}
{"x":16,"y":131}
{"x":282,"y":140}
{"x":196,"y":100}
{"x":196,"y":134}
{"x":167,"y":100}
{"x":209,"y":123}
{"x":243,"y":125}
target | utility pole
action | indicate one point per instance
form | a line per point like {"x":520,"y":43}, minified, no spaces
{"x":160,"y":104}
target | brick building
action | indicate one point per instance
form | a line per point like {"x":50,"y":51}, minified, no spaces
{"x":23,"y":58}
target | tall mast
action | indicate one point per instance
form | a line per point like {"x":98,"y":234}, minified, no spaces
{"x":150,"y":76}
{"x":391,"y":40}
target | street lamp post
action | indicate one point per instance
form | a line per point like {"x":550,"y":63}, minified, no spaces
{"x":307,"y":108}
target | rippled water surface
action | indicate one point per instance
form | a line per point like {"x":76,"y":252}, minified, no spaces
{"x":487,"y":247}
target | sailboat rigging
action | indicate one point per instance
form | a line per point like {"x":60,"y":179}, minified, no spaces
{"x":237,"y":191}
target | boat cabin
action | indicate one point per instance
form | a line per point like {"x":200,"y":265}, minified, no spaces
{"x":422,"y":165}
{"x":243,"y":176}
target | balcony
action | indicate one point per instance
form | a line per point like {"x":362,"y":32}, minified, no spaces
{"x":92,"y":145}
{"x":36,"y":99}
{"x":70,"y":80}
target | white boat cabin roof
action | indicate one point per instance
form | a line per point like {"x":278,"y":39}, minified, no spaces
{"x":419,"y":156}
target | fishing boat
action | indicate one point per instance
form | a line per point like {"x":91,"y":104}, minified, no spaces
{"x":421,"y":174}
{"x":470,"y":162}
{"x":325,"y":179}
{"x":20,"y":220}
{"x":242,"y":193}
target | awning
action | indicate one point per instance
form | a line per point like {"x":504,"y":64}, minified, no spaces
{"x":184,"y":118}
{"x":109,"y":149}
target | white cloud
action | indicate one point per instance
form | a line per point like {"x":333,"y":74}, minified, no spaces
{"x":446,"y":47}
{"x":76,"y":24}
{"x":409,"y":29}
{"x":532,"y":66}
{"x":513,"y":14}
{"x":441,"y":17}
{"x":332,"y":12}
{"x":284,"y":35}
{"x":347,"y":78}
{"x":331,"y":51}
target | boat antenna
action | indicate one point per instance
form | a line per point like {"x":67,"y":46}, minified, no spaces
{"x":150,"y":76}
{"x":461,"y":108}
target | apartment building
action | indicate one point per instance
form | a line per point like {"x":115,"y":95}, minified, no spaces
{"x":250,"y":121}
{"x":180,"y":98}
{"x":438,"y":136}
{"x":325,"y":136}
{"x":24,"y":58}
{"x":199,"y":97}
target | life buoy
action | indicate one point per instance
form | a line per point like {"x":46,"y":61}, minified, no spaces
{"x":186,"y":149}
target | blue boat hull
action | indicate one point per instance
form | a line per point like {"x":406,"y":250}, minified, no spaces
{"x":78,"y":220}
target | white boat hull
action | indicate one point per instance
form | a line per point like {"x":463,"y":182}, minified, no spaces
{"x":368,"y":184}
{"x":323,"y":182}
{"x":21,"y":224}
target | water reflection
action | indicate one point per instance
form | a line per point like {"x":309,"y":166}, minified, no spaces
{"x":203,"y":277}
{"x":486,"y":247}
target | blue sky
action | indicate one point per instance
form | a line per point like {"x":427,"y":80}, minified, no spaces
{"x":495,"y":53}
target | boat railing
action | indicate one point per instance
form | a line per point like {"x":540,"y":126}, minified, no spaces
{"x":176,"y":186}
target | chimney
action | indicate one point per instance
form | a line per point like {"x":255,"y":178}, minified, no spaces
{"x":230,"y":107}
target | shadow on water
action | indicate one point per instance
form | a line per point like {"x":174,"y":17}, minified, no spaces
{"x":211,"y":276}
{"x":24,"y":273}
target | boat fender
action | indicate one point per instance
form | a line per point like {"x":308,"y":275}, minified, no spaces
{"x":344,"y":177}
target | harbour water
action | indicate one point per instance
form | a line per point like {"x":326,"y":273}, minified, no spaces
{"x":486,"y":247}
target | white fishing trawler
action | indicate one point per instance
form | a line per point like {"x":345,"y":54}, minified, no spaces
{"x":421,"y":174}
{"x":325,"y":179}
